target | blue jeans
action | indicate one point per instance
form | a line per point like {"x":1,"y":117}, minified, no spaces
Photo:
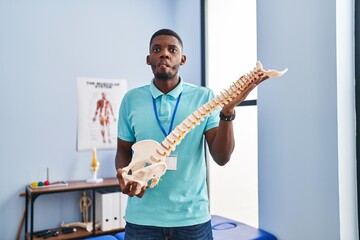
{"x":196,"y":232}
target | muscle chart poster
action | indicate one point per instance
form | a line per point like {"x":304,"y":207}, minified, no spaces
{"x":98,"y":109}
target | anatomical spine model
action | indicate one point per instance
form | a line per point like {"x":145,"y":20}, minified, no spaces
{"x":148,"y":162}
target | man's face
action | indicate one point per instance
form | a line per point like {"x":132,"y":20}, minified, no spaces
{"x":165,"y":57}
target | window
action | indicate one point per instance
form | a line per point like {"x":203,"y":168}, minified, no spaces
{"x":230,"y":33}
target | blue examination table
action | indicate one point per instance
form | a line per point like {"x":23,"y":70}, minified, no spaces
{"x":227,"y":229}
{"x":223,"y":229}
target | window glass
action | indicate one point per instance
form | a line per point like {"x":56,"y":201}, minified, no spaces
{"x":231,"y":53}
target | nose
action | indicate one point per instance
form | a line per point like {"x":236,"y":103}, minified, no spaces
{"x":165,"y":54}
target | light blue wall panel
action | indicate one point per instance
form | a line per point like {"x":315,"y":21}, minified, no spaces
{"x":298,"y":156}
{"x":44,"y":47}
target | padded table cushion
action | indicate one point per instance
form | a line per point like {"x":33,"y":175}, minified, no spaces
{"x":223,"y":229}
{"x":120,"y":235}
{"x":227,"y":229}
{"x":104,"y":237}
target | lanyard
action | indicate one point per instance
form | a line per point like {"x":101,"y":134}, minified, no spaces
{"x":172,"y":119}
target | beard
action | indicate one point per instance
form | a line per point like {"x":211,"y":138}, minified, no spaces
{"x":164,"y":76}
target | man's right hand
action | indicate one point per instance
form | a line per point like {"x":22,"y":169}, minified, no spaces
{"x":129,"y":188}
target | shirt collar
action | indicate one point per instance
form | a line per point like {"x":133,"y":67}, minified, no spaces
{"x":155,"y":92}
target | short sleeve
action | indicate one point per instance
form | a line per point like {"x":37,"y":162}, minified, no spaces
{"x":125,"y":131}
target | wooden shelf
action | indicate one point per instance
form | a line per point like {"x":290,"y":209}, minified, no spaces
{"x":73,"y":186}
{"x":33,"y":193}
{"x":80,"y":233}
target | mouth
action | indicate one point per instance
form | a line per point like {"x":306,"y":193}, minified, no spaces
{"x":163,"y":64}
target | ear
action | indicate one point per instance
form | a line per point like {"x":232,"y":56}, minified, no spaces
{"x":148,"y":60}
{"x":183,"y":60}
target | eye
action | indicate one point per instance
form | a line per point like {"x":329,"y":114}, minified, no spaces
{"x":173,"y":50}
{"x":156,"y":50}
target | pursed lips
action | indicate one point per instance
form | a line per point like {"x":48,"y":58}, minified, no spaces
{"x":163,"y":63}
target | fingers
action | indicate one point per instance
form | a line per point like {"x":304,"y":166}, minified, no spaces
{"x":120,"y":179}
{"x":141,"y":194}
{"x":263,"y":77}
{"x":130,"y":188}
{"x":241,"y":97}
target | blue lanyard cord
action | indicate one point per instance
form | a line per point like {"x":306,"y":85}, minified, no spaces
{"x":172,"y":119}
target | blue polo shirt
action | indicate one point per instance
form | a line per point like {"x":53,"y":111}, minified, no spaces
{"x":181,"y":197}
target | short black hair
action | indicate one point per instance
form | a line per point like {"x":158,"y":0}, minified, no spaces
{"x":168,"y":32}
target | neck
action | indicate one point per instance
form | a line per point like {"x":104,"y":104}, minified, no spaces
{"x":166,"y":86}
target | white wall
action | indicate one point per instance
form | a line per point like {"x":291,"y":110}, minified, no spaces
{"x":299,"y":145}
{"x":45,"y":46}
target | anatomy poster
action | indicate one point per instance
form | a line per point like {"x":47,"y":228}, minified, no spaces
{"x":98,"y":109}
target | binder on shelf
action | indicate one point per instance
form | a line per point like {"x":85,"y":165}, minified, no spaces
{"x":108,"y":209}
{"x":115,"y":220}
{"x":123,"y":203}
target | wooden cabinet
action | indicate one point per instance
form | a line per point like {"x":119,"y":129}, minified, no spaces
{"x":33,"y":193}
